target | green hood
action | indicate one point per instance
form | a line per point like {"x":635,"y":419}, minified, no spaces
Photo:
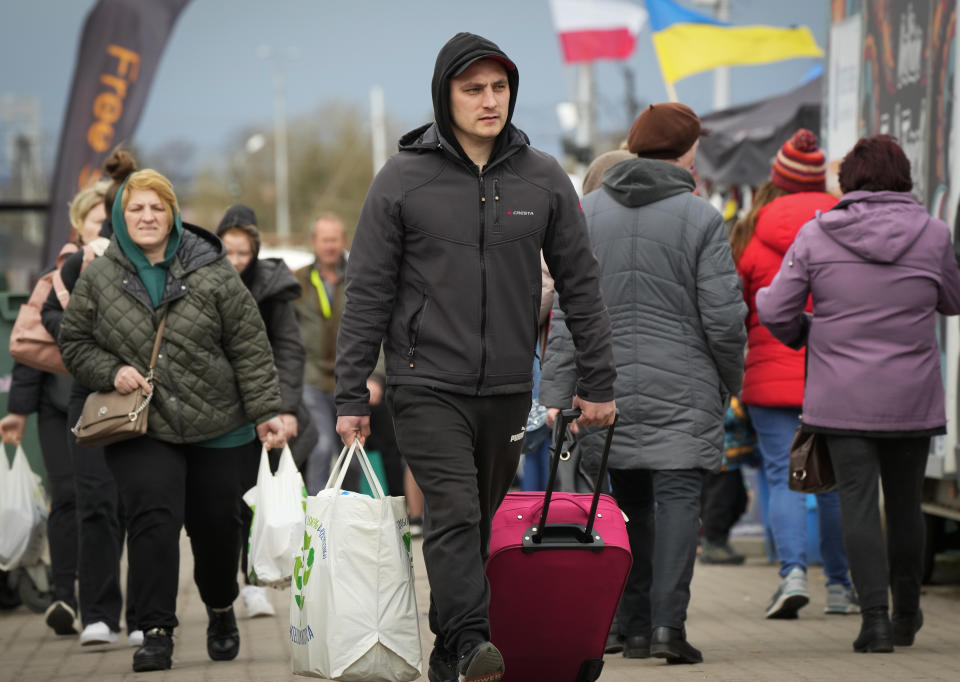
{"x":638,"y":182}
{"x":154,"y":277}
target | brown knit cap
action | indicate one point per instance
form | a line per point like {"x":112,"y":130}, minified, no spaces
{"x":664,"y":131}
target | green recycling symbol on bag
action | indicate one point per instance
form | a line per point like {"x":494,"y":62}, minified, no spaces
{"x":302,"y":569}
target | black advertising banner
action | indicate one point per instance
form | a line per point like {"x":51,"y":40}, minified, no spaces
{"x":120,"y":49}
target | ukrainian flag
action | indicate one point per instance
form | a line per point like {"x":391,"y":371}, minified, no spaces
{"x":688,"y":42}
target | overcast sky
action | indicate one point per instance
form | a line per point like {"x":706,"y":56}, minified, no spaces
{"x":212,"y":83}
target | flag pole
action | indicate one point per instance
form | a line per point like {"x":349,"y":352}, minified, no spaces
{"x":671,"y":91}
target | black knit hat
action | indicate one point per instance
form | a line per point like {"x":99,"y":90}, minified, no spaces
{"x":242,"y":218}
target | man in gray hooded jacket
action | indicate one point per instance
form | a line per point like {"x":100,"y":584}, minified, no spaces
{"x":445,"y":271}
{"x":677,"y":314}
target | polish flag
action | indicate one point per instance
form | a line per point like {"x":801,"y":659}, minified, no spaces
{"x":597,"y":29}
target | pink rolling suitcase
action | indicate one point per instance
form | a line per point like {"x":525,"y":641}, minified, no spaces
{"x":558,"y":564}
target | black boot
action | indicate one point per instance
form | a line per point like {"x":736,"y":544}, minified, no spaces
{"x":636,"y":646}
{"x":876,"y":632}
{"x":905,"y":627}
{"x":156,"y":652}
{"x":672,"y":644}
{"x":223,"y":638}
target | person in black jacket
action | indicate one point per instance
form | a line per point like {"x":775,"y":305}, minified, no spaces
{"x":445,"y":271}
{"x":49,"y":395}
{"x":34,"y":391}
{"x":274,"y":288}
{"x":101,"y":517}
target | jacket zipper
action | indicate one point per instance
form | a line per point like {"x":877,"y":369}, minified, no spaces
{"x":483,"y":286}
{"x":415,"y":327}
{"x":496,"y":205}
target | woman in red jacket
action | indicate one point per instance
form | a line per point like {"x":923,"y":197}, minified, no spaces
{"x":774,"y":375}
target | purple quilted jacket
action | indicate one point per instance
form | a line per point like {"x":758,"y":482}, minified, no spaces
{"x":878,"y":268}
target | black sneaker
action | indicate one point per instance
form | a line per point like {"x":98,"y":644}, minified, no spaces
{"x":483,"y":663}
{"x":223,"y":637}
{"x":62,"y":618}
{"x":156,"y":652}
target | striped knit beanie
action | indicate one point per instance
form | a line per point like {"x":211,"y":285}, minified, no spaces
{"x":800,"y":165}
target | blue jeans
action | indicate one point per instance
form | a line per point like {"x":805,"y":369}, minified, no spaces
{"x":775,"y":427}
{"x":536,"y":459}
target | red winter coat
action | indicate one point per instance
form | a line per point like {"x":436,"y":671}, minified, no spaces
{"x":773,"y":374}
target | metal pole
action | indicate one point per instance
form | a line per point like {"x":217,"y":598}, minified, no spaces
{"x":280,"y":155}
{"x":378,"y":128}
{"x":584,"y":135}
{"x":721,"y":75}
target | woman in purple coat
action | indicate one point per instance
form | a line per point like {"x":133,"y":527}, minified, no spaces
{"x":879,"y":268}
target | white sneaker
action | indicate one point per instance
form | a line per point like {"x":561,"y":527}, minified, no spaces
{"x":841,"y":599}
{"x":135,"y":638}
{"x":791,"y":596}
{"x":97,"y":633}
{"x":255,"y":602}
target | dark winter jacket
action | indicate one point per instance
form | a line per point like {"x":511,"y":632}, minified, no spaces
{"x":274,"y":288}
{"x":445,"y":268}
{"x":677,"y":314}
{"x":773,"y":374}
{"x":879,"y":268}
{"x":215,"y":372}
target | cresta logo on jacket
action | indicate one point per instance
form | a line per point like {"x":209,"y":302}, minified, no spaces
{"x":519,"y":212}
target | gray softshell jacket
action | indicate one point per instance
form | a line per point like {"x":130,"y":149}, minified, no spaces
{"x":677,"y":315}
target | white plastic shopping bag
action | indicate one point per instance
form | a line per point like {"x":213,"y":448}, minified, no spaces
{"x":353,"y":611}
{"x":278,"y":503}
{"x":23,"y":513}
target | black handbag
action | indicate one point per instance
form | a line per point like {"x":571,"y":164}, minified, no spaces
{"x":811,"y":470}
{"x":572,"y":476}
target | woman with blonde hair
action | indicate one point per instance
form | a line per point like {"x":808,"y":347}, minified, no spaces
{"x":100,"y":513}
{"x":214,"y":391}
{"x":87,"y":213}
{"x":32,"y":390}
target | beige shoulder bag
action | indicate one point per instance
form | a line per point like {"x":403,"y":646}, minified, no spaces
{"x":110,"y":417}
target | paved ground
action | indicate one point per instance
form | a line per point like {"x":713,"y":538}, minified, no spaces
{"x":725,"y":621}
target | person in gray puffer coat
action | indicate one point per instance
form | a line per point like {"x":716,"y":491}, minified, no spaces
{"x":677,"y":314}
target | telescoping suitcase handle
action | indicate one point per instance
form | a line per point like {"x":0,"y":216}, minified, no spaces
{"x":569,"y":535}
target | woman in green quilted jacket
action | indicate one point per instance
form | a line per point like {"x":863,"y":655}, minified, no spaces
{"x":216,"y":397}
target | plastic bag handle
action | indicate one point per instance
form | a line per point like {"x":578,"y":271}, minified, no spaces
{"x":339,"y":470}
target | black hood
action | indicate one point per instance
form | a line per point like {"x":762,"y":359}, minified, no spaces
{"x":638,"y":182}
{"x":273,"y":280}
{"x":242,"y":218}
{"x":460,"y":51}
